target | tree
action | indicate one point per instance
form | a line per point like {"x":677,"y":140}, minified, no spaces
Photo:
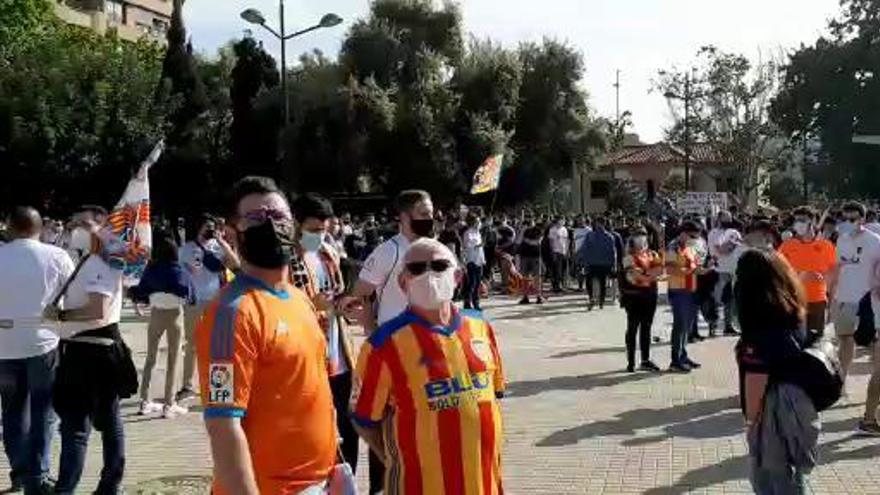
{"x":554,"y":131}
{"x":19,"y":21}
{"x":75,"y":109}
{"x":185,"y":161}
{"x":254,"y":134}
{"x":727,"y":98}
{"x":830,"y":92}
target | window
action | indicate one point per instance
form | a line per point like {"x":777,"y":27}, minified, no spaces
{"x":599,"y":189}
{"x":115,"y":12}
{"x":160,"y":26}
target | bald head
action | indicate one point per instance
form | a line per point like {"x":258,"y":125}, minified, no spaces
{"x":427,"y":249}
{"x":25,"y":223}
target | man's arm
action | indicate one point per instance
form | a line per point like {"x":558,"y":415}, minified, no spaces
{"x":230,"y":257}
{"x":356,"y":306}
{"x":233,"y":468}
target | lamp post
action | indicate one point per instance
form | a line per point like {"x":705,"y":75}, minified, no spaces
{"x":254,"y":16}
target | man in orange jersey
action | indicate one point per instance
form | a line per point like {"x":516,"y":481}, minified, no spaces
{"x":262,"y":361}
{"x":813,"y":258}
{"x":427,"y":387}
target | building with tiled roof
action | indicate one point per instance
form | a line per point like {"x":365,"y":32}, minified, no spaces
{"x":639,"y":163}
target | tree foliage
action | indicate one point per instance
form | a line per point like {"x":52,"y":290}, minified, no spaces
{"x":410,"y":102}
{"x":830,"y":91}
{"x":76,"y":114}
{"x":728,"y":98}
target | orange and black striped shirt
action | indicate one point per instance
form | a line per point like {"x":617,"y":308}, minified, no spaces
{"x":434,"y":391}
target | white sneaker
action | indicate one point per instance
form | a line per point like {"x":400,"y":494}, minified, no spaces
{"x":149,"y":407}
{"x":173,"y":411}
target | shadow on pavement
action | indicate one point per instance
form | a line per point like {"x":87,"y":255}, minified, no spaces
{"x":737,"y":467}
{"x":588,"y":352}
{"x":529,"y":388}
{"x":706,"y":419}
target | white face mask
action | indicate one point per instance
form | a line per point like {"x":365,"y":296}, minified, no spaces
{"x":801,"y":228}
{"x":81,"y":240}
{"x":640,"y":242}
{"x":431,"y":290}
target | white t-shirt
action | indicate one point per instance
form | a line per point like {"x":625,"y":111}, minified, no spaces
{"x":381,"y":269}
{"x":713,"y":238}
{"x":873,"y":227}
{"x":95,"y":277}
{"x":205,"y":282}
{"x":727,"y":262}
{"x":31,"y":275}
{"x":472,"y":247}
{"x":558,"y":237}
{"x":857,"y":257}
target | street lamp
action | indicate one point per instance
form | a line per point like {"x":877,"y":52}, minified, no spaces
{"x":254,"y":16}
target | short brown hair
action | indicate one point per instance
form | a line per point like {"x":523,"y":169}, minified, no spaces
{"x":252,"y":184}
{"x":768,"y":294}
{"x":804,"y":211}
{"x":408,"y":199}
{"x":855,"y":206}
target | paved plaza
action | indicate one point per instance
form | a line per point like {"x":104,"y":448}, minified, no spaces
{"x":575,"y":423}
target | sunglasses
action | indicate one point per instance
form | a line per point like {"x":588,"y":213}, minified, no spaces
{"x":419,"y":267}
{"x":257,"y":217}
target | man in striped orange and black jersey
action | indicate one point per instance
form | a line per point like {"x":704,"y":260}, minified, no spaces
{"x":427,"y":387}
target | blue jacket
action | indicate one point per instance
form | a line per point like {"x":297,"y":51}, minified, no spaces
{"x":170,"y":278}
{"x":598,"y":249}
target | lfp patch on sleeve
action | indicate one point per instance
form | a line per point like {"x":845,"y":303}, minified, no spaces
{"x":221,"y":386}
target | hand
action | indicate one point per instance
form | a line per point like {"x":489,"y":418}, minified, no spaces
{"x":353,"y":309}
{"x":322,"y":302}
{"x":52,"y":313}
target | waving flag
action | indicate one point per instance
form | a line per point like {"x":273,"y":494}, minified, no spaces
{"x":488,"y":175}
{"x":128,"y":237}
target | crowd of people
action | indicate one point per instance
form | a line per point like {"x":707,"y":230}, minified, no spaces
{"x":261,"y":302}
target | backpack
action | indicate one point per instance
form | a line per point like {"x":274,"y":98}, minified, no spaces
{"x":819,"y":374}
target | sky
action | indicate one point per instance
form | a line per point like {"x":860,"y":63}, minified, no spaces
{"x":637,"y":37}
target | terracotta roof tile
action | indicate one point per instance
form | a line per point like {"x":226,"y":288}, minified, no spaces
{"x":659,"y":153}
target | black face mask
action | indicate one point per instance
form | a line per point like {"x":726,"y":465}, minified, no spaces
{"x":268,"y":245}
{"x":423,"y":227}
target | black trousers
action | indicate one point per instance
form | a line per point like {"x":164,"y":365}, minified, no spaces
{"x":377,"y":473}
{"x":600,"y":274}
{"x":640,"y":309}
{"x":340,"y":386}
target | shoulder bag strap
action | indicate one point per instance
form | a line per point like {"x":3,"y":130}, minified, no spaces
{"x":66,"y":286}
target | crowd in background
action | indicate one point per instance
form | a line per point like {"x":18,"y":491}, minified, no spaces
{"x":776,"y":280}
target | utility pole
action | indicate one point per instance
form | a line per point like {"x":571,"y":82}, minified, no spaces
{"x":687,"y":132}
{"x":617,"y":97}
{"x":284,"y":65}
{"x":804,"y":167}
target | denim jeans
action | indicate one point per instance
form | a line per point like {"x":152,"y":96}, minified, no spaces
{"x":724,"y":280}
{"x":472,"y":286}
{"x":684,"y":313}
{"x":787,"y":482}
{"x":76,"y":426}
{"x":26,"y":396}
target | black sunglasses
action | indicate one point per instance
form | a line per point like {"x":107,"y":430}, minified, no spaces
{"x":419,"y":267}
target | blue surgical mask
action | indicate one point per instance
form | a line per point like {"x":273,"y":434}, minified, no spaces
{"x":311,"y":241}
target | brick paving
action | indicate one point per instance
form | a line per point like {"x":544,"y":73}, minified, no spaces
{"x":575,"y":423}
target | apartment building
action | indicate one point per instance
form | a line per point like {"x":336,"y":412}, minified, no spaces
{"x":132,"y":19}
